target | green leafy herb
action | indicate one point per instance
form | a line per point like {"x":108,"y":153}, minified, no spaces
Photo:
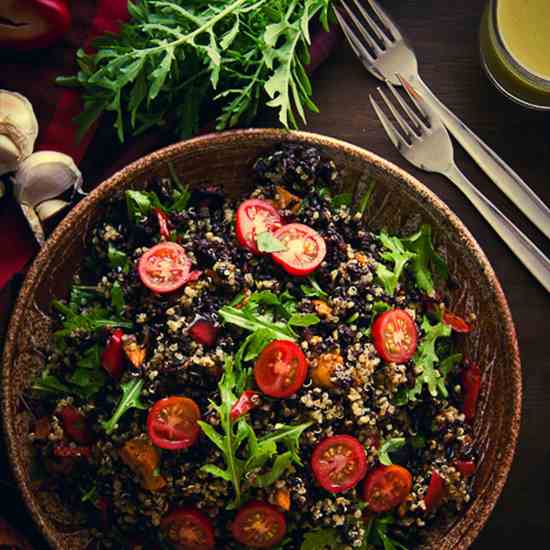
{"x":378,"y":534}
{"x":352,"y":318}
{"x":344,"y":199}
{"x":396,"y":254}
{"x":321,"y":539}
{"x":49,"y":383}
{"x":425,"y":258}
{"x":267,"y":242}
{"x":131,"y":392}
{"x":426,"y":359}
{"x":117,"y":258}
{"x":389,"y":446}
{"x":303,"y":320}
{"x":447,"y":364}
{"x":117,"y":298}
{"x":88,"y":376}
{"x":365,"y":198}
{"x":313,"y":291}
{"x":173,"y":59}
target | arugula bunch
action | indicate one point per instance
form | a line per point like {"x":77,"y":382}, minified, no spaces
{"x":175,"y":57}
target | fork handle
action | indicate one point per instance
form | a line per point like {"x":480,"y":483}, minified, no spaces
{"x":526,"y":250}
{"x":502,"y":175}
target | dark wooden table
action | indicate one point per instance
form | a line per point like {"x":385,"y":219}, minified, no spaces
{"x":445,"y":36}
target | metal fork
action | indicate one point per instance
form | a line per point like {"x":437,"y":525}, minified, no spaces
{"x":384,"y":52}
{"x":425,"y":142}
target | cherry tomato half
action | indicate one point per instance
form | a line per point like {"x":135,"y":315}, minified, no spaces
{"x":281,"y":369}
{"x":386,"y":487}
{"x":164,"y":268}
{"x":259,"y":525}
{"x":255,"y":216}
{"x":339,"y":463}
{"x":75,"y":425}
{"x":471,"y":383}
{"x":305,"y":249}
{"x":172,"y":423}
{"x":188,"y":529}
{"x":465,"y":467}
{"x":394,"y":336}
{"x":457,"y":323}
{"x":435,"y":492}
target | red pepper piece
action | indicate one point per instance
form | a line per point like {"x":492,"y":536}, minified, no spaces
{"x":434,"y":494}
{"x":246,"y":402}
{"x":75,"y":426}
{"x":204,"y":332}
{"x":471,"y":384}
{"x":112,"y":358}
{"x":457,"y":323}
{"x":66,"y":451}
{"x":465,"y":467}
{"x":33,"y":23}
{"x":163,"y":223}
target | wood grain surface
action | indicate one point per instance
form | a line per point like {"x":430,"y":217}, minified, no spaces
{"x":445,"y":37}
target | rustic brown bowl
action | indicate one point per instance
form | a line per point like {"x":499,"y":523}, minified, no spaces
{"x":399,"y":201}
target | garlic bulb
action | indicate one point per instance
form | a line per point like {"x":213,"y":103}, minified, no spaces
{"x":48,"y":209}
{"x":45,"y":175}
{"x":18,"y":130}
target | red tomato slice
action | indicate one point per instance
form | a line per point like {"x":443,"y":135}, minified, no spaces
{"x":281,"y":369}
{"x":305,"y":249}
{"x":465,"y":467}
{"x":172,"y":423}
{"x":339,"y":463}
{"x":188,"y":529}
{"x":395,"y":336}
{"x":75,"y":425}
{"x":164,"y":268}
{"x":457,"y":323}
{"x":471,"y":384}
{"x":255,"y":216}
{"x":259,"y":525}
{"x":163,"y":221}
{"x":434,"y":494}
{"x":386,"y":487}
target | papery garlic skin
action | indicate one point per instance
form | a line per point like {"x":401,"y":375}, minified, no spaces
{"x":45,"y":175}
{"x":18,"y":130}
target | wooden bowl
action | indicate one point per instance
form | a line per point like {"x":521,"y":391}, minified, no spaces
{"x":399,"y":201}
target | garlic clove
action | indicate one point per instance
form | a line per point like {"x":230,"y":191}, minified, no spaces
{"x":18,"y":130}
{"x":45,"y":175}
{"x":48,"y":209}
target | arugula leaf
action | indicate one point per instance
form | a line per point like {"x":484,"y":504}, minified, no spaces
{"x":117,"y":258}
{"x":343,"y":199}
{"x":131,"y":392}
{"x":313,"y":291}
{"x":303,"y":320}
{"x":426,"y":360}
{"x":117,"y":298}
{"x":321,"y":539}
{"x":425,"y":257}
{"x":49,"y":383}
{"x":447,"y":364}
{"x":389,"y":446}
{"x":244,"y":318}
{"x":396,"y":254}
{"x":88,"y":375}
{"x":282,"y":462}
{"x":267,"y":242}
{"x":365,"y":198}
{"x":378,"y":534}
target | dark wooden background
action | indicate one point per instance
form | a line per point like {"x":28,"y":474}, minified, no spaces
{"x":445,"y":36}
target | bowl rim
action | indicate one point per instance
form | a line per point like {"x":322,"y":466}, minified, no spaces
{"x":163,"y":155}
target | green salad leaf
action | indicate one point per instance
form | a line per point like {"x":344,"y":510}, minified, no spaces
{"x":322,"y":539}
{"x":267,"y":242}
{"x":118,"y":258}
{"x":131,"y":398}
{"x":396,"y":254}
{"x":314,"y":290}
{"x":378,"y":534}
{"x":389,"y":446}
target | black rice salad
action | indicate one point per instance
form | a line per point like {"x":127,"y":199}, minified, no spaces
{"x":260,"y":373}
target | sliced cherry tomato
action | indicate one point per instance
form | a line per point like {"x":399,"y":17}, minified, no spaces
{"x":471,"y":384}
{"x":246,"y":402}
{"x":112,"y":358}
{"x":394,"y":336}
{"x":172,"y":423}
{"x":435,"y":492}
{"x":255,"y":216}
{"x":259,"y":525}
{"x":339,"y":463}
{"x":67,"y":451}
{"x":465,"y":467}
{"x":457,"y":323}
{"x":386,"y":487}
{"x":164,"y":268}
{"x":281,"y":369}
{"x":75,"y":426}
{"x":188,"y":529}
{"x":305,"y":249}
{"x":162,"y":219}
{"x":204,"y":332}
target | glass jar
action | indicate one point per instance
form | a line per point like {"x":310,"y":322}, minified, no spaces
{"x":504,"y":67}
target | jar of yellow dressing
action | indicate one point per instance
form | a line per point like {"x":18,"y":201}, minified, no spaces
{"x":515,"y":50}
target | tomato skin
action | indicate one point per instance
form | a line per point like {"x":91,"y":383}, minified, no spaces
{"x":112,"y":358}
{"x":457,"y":323}
{"x":165,"y":268}
{"x":465,"y":467}
{"x":387,"y":487}
{"x":471,"y":384}
{"x":204,"y":332}
{"x":246,"y":402}
{"x":435,"y":492}
{"x":255,"y":216}
{"x":162,"y":418}
{"x":268,"y":514}
{"x":324,"y":466}
{"x":395,"y":328}
{"x":279,"y":360}
{"x":75,"y":426}
{"x":308,"y":258}
{"x":188,"y":529}
{"x":162,"y":219}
